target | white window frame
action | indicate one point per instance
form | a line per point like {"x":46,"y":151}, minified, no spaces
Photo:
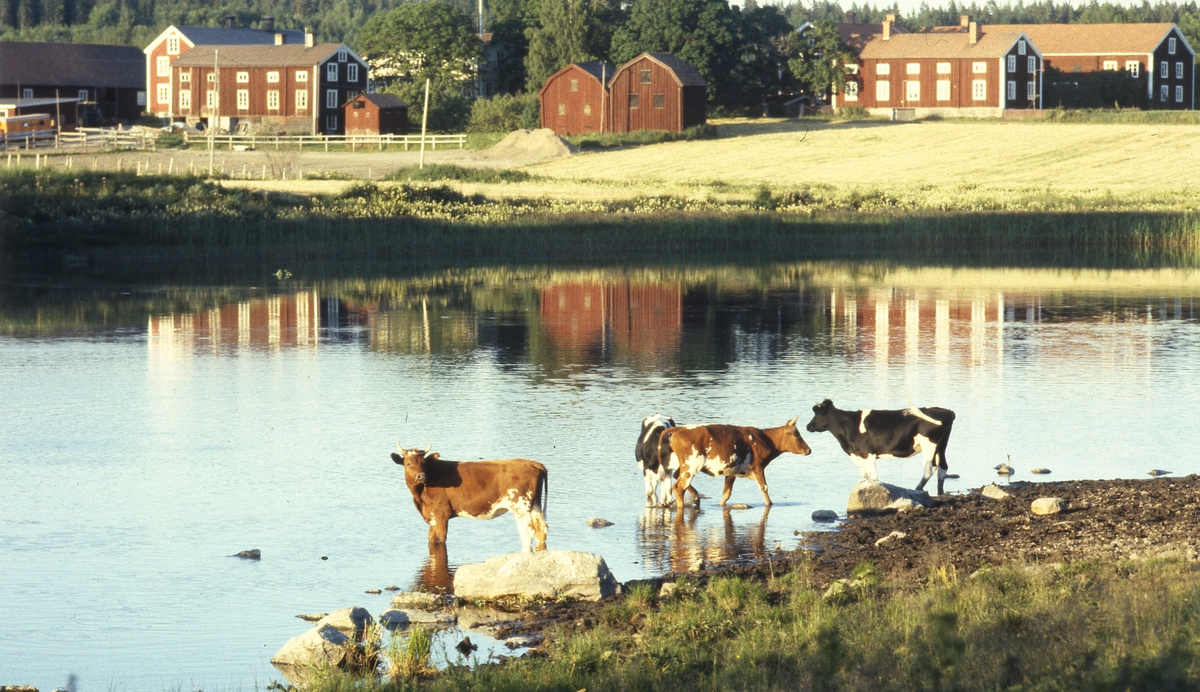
{"x":83,"y":95}
{"x":162,"y":66}
{"x":1133,"y":67}
{"x":164,"y":94}
{"x":943,"y":90}
{"x":273,"y":77}
{"x":1163,"y":92}
{"x":1171,"y":46}
{"x":1164,"y":69}
{"x":302,"y":99}
{"x":979,"y":67}
{"x":352,"y":72}
{"x":850,"y":92}
{"x":1012,"y":63}
{"x":1179,"y":70}
{"x":331,"y":98}
{"x":1021,"y":47}
{"x":883,"y":91}
{"x":883,"y":68}
{"x":1110,"y":65}
{"x":172,"y":45}
{"x":979,"y":90}
{"x":912,"y":91}
{"x":1012,"y":90}
{"x":912,"y":68}
{"x":243,"y":99}
{"x":1178,"y":93}
{"x":331,"y":72}
{"x":1031,"y":90}
{"x":943,"y":68}
{"x":273,"y":100}
{"x":302,"y":76}
{"x":243,"y":77}
{"x":185,"y":99}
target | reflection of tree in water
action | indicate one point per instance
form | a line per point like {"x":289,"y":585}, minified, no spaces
{"x":671,"y":540}
{"x":435,"y":575}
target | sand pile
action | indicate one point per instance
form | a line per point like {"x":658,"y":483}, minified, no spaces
{"x":530,"y":145}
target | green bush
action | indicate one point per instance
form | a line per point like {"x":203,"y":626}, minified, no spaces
{"x":504,"y":113}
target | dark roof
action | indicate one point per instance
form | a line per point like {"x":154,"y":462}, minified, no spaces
{"x":72,"y":64}
{"x":596,"y":68}
{"x":217,"y":36}
{"x":384,"y":100}
{"x":287,"y":55}
{"x":685,"y":74}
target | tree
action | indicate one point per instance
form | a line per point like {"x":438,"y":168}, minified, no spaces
{"x":821,"y":60}
{"x":703,"y":33}
{"x":569,"y":31}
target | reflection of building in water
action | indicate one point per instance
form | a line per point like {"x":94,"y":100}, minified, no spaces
{"x":645,"y":318}
{"x":671,"y":540}
{"x":274,"y":322}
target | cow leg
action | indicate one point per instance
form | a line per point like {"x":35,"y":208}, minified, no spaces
{"x":727,"y":491}
{"x":762,"y":485}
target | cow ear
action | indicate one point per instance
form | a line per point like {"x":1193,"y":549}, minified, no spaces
{"x":397,"y":458}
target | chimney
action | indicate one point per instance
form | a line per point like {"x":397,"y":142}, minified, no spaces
{"x":267,"y":24}
{"x":280,"y":38}
{"x":229,"y":20}
{"x":308,"y":38}
{"x":887,"y":27}
{"x":851,"y":17}
{"x":973,"y":31}
{"x":963,"y":22}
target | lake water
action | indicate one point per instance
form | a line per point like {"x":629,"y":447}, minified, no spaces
{"x":149,"y":433}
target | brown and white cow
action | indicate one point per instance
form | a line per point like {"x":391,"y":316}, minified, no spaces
{"x":731,"y":451}
{"x":443,"y":490}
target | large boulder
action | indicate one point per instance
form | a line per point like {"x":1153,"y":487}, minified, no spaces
{"x":322,"y":647}
{"x":873,"y":497}
{"x":544,"y":574}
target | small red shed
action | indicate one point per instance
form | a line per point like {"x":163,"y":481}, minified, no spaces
{"x":573,"y":100}
{"x":657,"y":91}
{"x":376,"y":114}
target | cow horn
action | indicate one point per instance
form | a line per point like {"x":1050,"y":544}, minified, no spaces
{"x":403,"y":451}
{"x":427,"y":450}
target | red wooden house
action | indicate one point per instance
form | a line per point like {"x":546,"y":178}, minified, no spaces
{"x":376,"y":114}
{"x":657,"y":91}
{"x":574,"y":100}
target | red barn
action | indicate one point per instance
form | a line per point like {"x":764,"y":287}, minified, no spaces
{"x":376,"y":114}
{"x":574,"y":100}
{"x":657,"y":91}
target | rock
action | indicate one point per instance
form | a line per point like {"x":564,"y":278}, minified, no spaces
{"x":1159,"y":472}
{"x":312,"y":617}
{"x":872,"y":497}
{"x":254,"y":554}
{"x":598,"y":523}
{"x":319,"y":648}
{"x":544,"y":574}
{"x":373,"y":592}
{"x":994,"y":492}
{"x":352,"y":622}
{"x":668,"y":590}
{"x":416,"y":599}
{"x":893,"y":536}
{"x":739,"y":505}
{"x":1039,"y":471}
{"x":403,"y":618}
{"x":823,"y":515}
{"x":1048,"y":505}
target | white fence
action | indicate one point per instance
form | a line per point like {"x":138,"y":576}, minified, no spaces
{"x":317,"y":142}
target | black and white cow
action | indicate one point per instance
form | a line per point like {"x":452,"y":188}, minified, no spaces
{"x":658,"y":476}
{"x":868,"y":435}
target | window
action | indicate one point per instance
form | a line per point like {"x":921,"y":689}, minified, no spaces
{"x":1171,"y":46}
{"x":912,"y":68}
{"x":162,"y":66}
{"x":1163,"y":94}
{"x":979,"y":90}
{"x":1133,"y":67}
{"x":185,"y":77}
{"x":273,"y":77}
{"x":352,"y":72}
{"x":1012,"y":91}
{"x":1178,"y":70}
{"x":587,"y":109}
{"x":943,"y":90}
{"x":883,"y":91}
{"x":659,"y":101}
{"x":979,"y":67}
{"x":1178,"y":94}
{"x":633,"y":100}
{"x":185,"y":99}
{"x":574,"y":85}
{"x":341,"y":56}
{"x":1110,"y":65}
{"x":1031,"y":67}
{"x":1021,"y":47}
{"x":851,"y":91}
{"x":1163,"y":69}
{"x":301,"y":76}
{"x":141,"y":98}
{"x":243,"y":78}
{"x":331,"y":100}
{"x":331,"y":72}
{"x":562,"y":109}
{"x":173,"y":45}
{"x":164,"y":93}
{"x":83,"y":94}
{"x":912,"y":90}
{"x":1031,"y":90}
{"x":331,"y":123}
{"x":210,"y":99}
{"x":883,"y":68}
{"x":27,"y":93}
{"x":273,"y":100}
{"x":243,"y":99}
{"x":301,"y":99}
{"x":943,"y":68}
{"x":1012,"y":63}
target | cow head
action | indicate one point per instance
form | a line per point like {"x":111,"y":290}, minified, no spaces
{"x":413,"y":461}
{"x":820,"y":419}
{"x":792,"y":442}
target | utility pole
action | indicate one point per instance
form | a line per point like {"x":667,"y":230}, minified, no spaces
{"x":214,"y":112}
